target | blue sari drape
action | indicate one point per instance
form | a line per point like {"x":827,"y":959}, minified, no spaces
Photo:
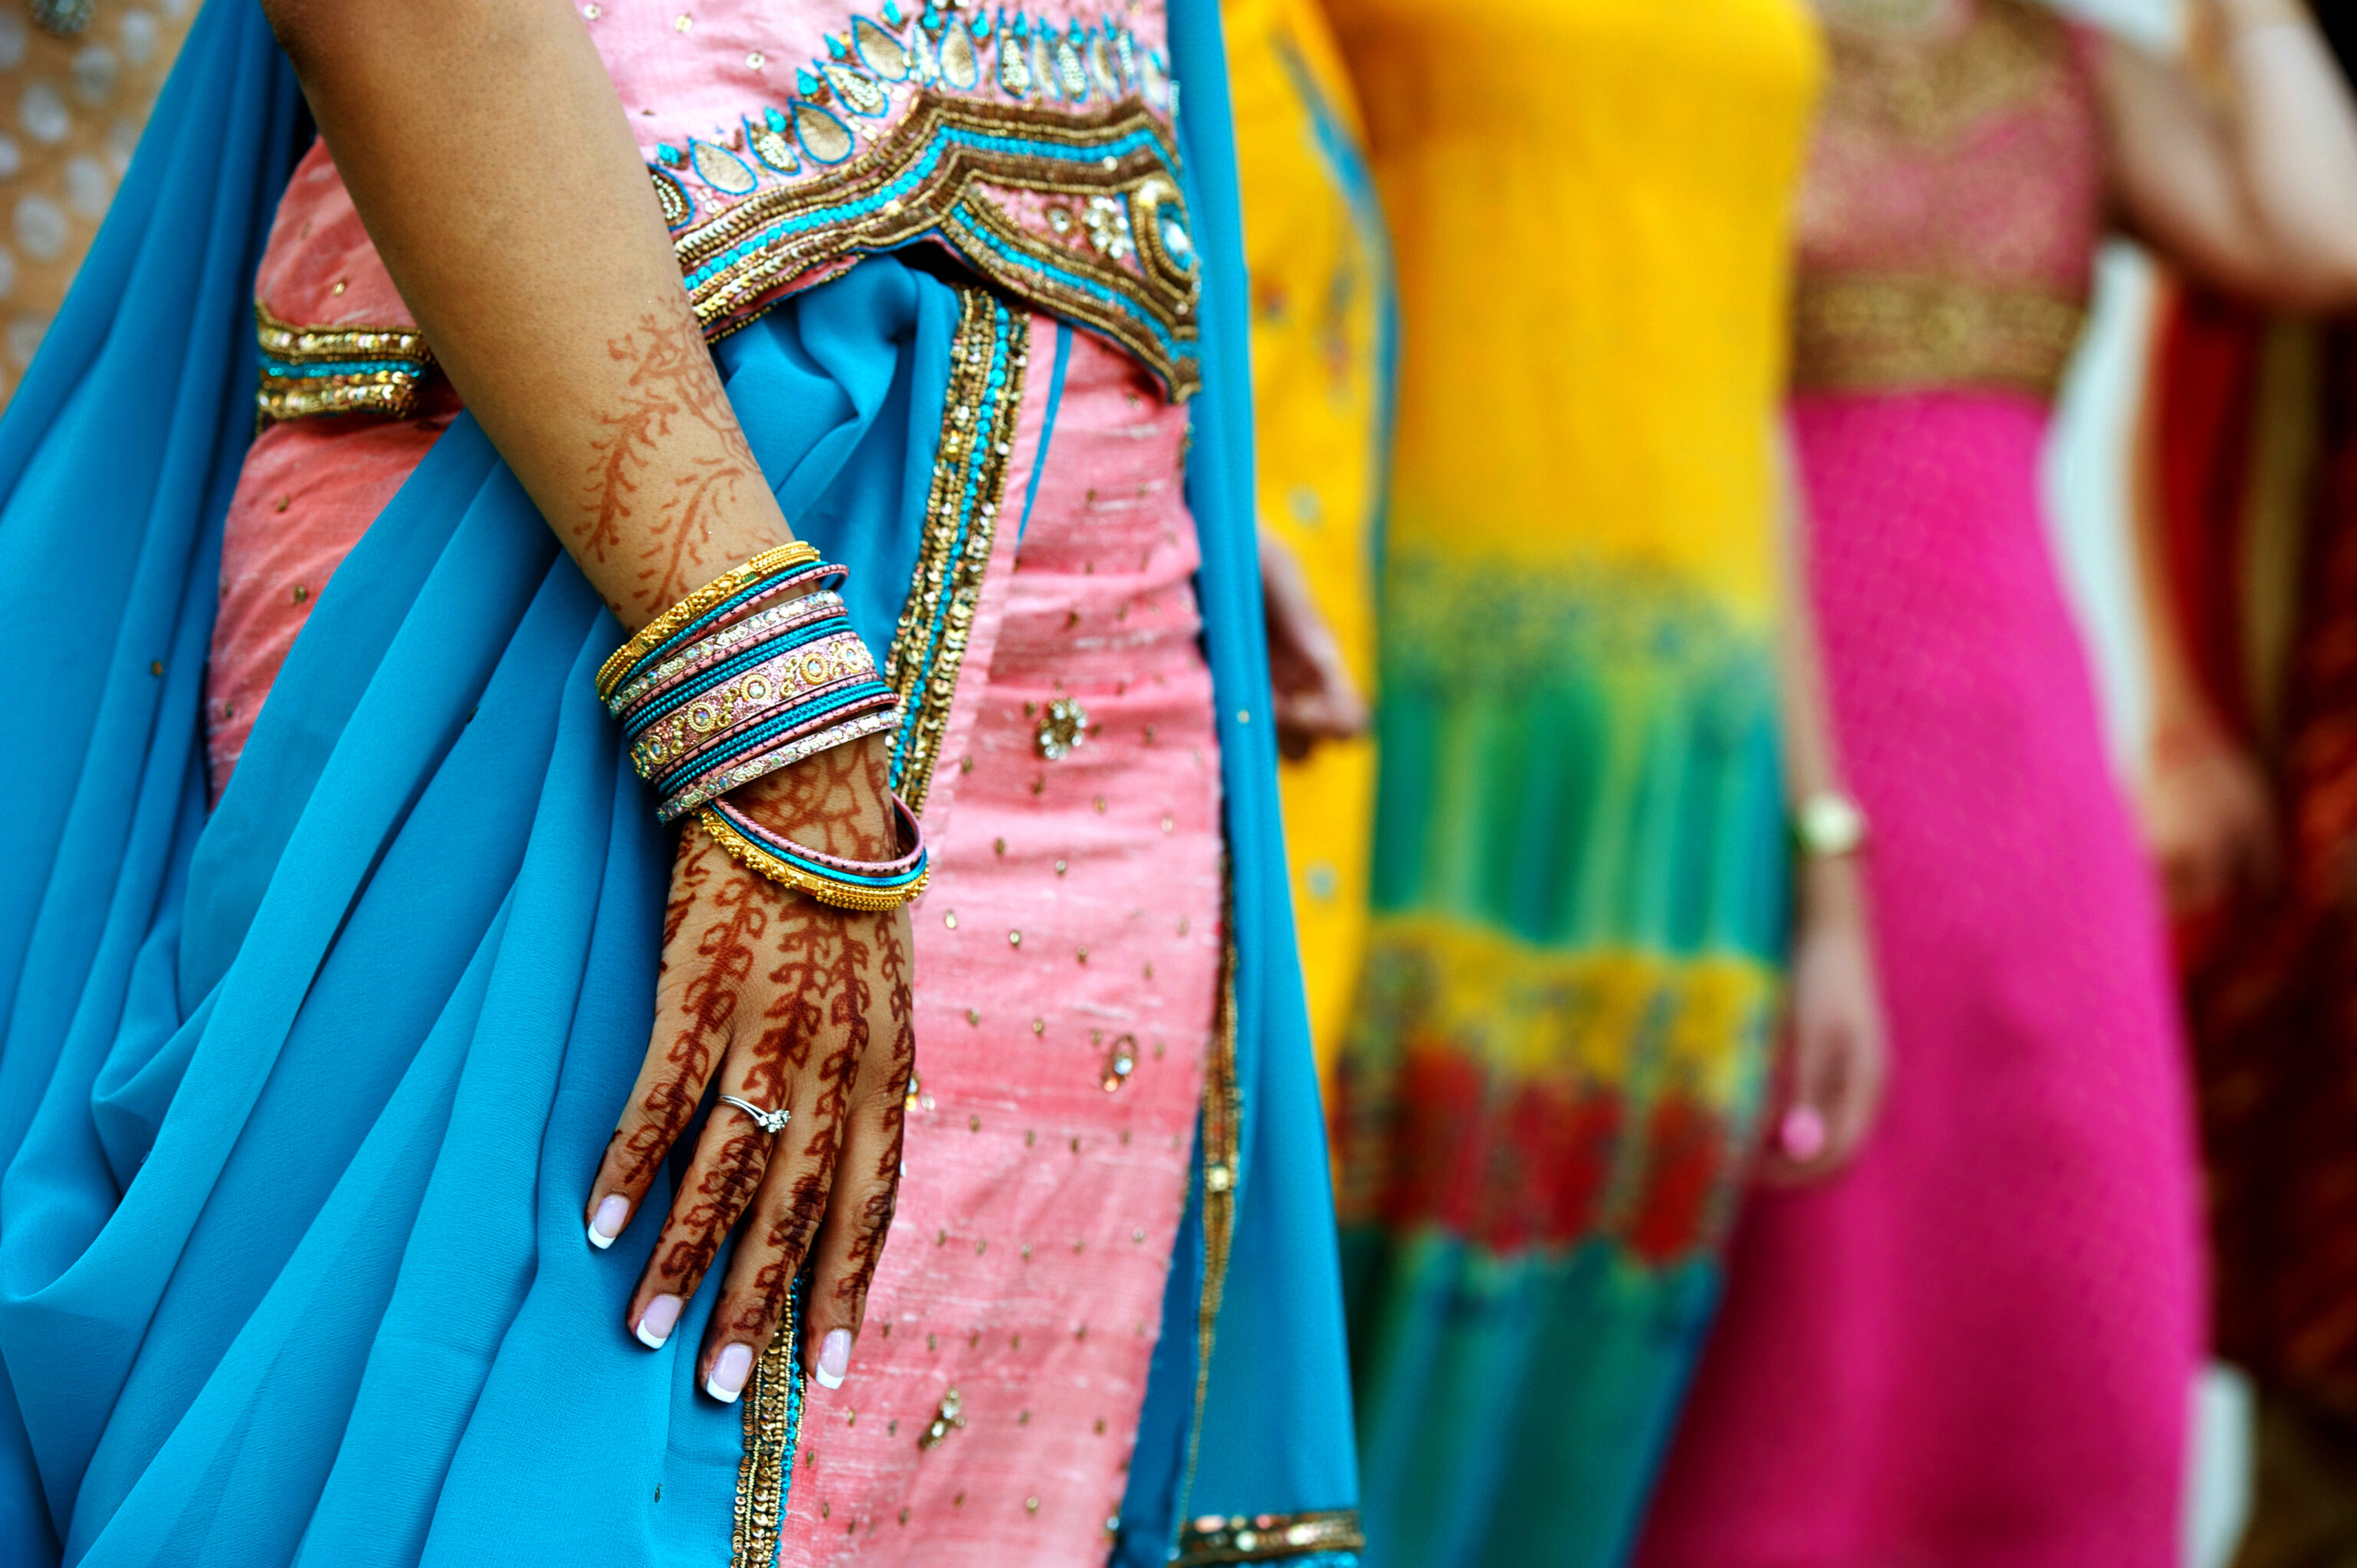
{"x":298,"y":1099}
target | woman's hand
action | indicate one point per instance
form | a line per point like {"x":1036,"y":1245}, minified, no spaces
{"x":1316,"y":700}
{"x":787,"y":1003}
{"x":1831,"y":1079}
{"x":2209,"y":819}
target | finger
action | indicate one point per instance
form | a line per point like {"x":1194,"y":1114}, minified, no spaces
{"x":1851,"y":1093}
{"x":1830,"y":1105}
{"x":705,"y":964}
{"x":868,"y":1170}
{"x":786,"y":1215}
{"x":732,"y":1156}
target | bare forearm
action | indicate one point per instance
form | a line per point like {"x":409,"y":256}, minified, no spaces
{"x":1827,"y":886}
{"x":2257,"y":194}
{"x":2296,"y":133}
{"x":486,"y":150}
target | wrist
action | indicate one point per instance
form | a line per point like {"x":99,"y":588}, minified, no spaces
{"x":838,"y":801}
{"x":1828,"y":894}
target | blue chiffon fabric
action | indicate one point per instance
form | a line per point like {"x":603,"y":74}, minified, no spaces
{"x":299,"y":1100}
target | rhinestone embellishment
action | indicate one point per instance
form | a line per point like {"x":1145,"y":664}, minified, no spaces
{"x":1065,"y":726}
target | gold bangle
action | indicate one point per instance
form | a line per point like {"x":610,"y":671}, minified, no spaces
{"x":1827,"y":824}
{"x":826,"y":889}
{"x":784,"y":558}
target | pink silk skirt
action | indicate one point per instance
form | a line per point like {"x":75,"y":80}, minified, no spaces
{"x":1976,"y":1347}
{"x":1074,"y":916}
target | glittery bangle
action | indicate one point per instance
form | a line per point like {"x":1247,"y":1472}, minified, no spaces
{"x":830,"y":879}
{"x":779,"y":747}
{"x":702,"y":708}
{"x":775,"y":621}
{"x":716,"y":595}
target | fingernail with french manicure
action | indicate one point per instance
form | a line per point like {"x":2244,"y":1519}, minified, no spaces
{"x":657,"y":1321}
{"x":1802,"y":1132}
{"x":833,"y":1358}
{"x":608,"y":1222}
{"x":729,"y":1371}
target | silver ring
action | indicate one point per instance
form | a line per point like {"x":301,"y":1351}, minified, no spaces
{"x":770,"y":1121}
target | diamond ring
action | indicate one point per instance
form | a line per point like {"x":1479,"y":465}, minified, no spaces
{"x":770,"y":1121}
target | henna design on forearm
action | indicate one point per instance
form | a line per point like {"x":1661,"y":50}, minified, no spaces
{"x":676,"y":410}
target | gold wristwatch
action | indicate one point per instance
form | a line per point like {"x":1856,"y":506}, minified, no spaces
{"x":1827,"y":824}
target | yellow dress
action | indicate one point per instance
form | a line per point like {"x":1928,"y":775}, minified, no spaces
{"x":1547,"y":1087}
{"x":1322,"y":349}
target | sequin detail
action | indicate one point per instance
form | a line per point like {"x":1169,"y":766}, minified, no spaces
{"x":337,"y":369}
{"x":1053,"y":171}
{"x":1332,"y":1536}
{"x":1889,"y":334}
{"x":773,"y":1419}
{"x":1219,"y":1149}
{"x":987,"y":359}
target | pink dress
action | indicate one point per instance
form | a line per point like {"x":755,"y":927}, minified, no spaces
{"x":1977,"y":1346}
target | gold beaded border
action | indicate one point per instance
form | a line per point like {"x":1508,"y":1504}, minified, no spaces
{"x":292,"y":343}
{"x":773,"y":1418}
{"x":962,"y":513}
{"x":1267,"y":1538}
{"x":371,"y":386}
{"x":1221,"y":1139}
{"x":780,"y":234}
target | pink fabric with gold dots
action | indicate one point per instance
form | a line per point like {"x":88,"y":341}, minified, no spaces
{"x":1027,"y":1263}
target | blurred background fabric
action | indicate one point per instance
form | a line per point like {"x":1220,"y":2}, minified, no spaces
{"x":71,"y":113}
{"x":1324,"y":350}
{"x":1547,"y":1090}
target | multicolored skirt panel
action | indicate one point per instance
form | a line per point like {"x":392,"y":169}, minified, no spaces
{"x":1547,"y":1094}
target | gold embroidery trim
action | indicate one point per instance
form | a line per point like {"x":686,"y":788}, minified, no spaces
{"x":1266,"y":1538}
{"x":987,"y":357}
{"x":311,"y":370}
{"x":1887,"y":334}
{"x":773,"y":1413}
{"x":790,"y":231}
{"x":1926,"y":91}
{"x":1222,"y":1130}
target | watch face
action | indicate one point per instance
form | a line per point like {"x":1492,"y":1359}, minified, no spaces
{"x":1828,"y":824}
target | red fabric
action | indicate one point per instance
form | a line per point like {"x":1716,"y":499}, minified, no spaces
{"x":2208,"y":355}
{"x":2270,"y":983}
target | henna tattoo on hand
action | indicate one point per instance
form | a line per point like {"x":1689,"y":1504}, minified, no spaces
{"x":875,"y":1218}
{"x":728,"y":1186}
{"x":838,"y":801}
{"x":676,"y":413}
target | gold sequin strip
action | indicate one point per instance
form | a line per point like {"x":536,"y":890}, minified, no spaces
{"x":382,"y":368}
{"x":1267,"y":1538}
{"x":1894,"y":334}
{"x":1222,"y":1137}
{"x":974,"y":154}
{"x":773,"y":1417}
{"x":987,"y":357}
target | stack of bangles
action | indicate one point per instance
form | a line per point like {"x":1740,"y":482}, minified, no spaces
{"x":752,"y":672}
